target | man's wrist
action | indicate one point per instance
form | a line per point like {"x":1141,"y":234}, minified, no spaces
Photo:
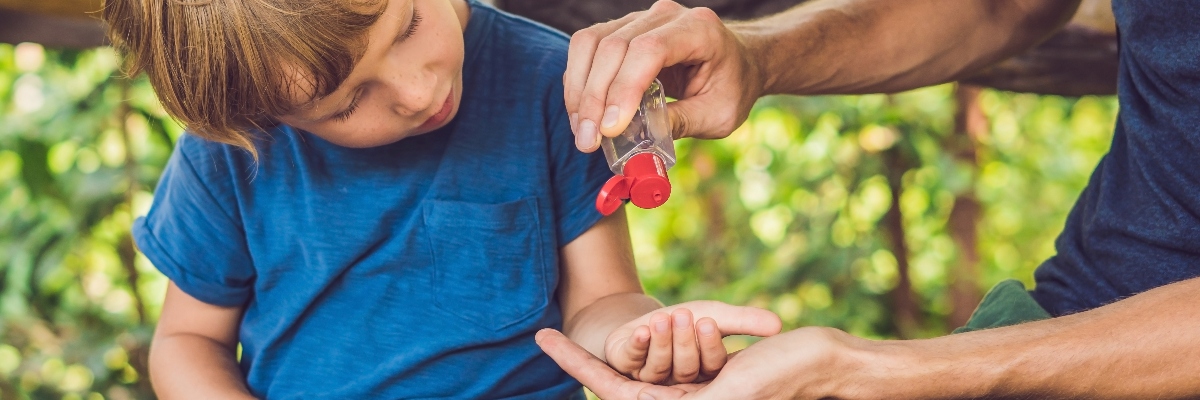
{"x":755,"y":50}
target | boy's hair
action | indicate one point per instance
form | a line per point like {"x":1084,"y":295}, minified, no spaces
{"x":224,"y":67}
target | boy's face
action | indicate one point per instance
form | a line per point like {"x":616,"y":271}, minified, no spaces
{"x":408,"y":81}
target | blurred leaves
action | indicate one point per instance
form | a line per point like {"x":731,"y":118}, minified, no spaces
{"x":787,"y":214}
{"x":75,"y":294}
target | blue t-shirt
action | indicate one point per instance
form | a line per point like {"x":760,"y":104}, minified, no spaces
{"x":1137,"y":225}
{"x":419,"y":269}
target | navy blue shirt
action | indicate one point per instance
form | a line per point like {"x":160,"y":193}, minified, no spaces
{"x":1137,"y":225}
{"x":420,"y":269}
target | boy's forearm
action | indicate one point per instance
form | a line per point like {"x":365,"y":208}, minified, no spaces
{"x":1142,"y":347}
{"x":184,"y":366}
{"x":591,"y":325}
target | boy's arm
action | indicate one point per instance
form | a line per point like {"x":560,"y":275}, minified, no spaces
{"x":193,"y":354}
{"x":599,"y":288}
{"x":600,"y":292}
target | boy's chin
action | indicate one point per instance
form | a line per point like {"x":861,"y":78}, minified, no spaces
{"x":366,"y":143}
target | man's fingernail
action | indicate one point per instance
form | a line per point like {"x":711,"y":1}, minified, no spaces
{"x":707,"y":328}
{"x":610,"y":116}
{"x":645,"y":396}
{"x":681,"y":320}
{"x":587,"y":135}
{"x":662,"y":325}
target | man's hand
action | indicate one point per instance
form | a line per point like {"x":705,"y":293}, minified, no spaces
{"x":700,"y":62}
{"x":666,"y":346}
{"x":801,"y":364}
{"x":717,"y":71}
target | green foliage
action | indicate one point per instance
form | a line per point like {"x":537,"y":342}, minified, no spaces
{"x":788,"y":213}
{"x":76,"y":164}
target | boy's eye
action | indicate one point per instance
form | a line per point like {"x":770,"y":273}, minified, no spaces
{"x":412,"y":26}
{"x":344,"y":115}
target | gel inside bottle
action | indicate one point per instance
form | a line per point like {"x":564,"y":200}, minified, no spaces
{"x":640,"y":157}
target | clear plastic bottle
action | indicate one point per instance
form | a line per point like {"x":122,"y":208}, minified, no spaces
{"x":640,"y":157}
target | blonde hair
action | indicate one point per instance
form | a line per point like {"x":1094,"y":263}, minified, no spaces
{"x":224,"y":67}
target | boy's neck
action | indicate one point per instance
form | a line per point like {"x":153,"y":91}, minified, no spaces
{"x":463,"y":10}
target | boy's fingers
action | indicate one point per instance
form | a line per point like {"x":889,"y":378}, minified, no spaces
{"x":632,"y":354}
{"x":712,"y":351}
{"x":658,"y":362}
{"x":737,"y":320}
{"x":585,"y":367}
{"x":686,"y":366}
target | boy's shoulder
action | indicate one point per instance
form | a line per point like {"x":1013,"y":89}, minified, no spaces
{"x":516,"y":43}
{"x":523,"y":32}
{"x":220,"y":164}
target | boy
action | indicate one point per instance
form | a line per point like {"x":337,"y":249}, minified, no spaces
{"x":393,"y":209}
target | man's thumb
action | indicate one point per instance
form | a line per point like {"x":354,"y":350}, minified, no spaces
{"x":695,"y":118}
{"x":680,"y":113}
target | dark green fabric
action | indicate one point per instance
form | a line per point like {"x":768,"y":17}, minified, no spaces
{"x":1006,"y":304}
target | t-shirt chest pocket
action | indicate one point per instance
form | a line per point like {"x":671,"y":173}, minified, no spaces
{"x":489,"y":260}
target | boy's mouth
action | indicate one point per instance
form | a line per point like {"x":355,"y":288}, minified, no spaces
{"x":442,"y":114}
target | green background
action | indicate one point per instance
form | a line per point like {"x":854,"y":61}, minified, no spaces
{"x":794,"y":213}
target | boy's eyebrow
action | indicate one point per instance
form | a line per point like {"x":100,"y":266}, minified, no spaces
{"x":354,"y":92}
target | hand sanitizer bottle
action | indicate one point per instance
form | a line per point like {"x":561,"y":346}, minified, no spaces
{"x":640,"y":157}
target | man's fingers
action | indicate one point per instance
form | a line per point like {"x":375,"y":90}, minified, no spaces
{"x":712,"y":350}
{"x":585,"y":367}
{"x":580,"y":54}
{"x":675,"y":392}
{"x":632,"y":354}
{"x":609,"y":45}
{"x":595,"y":109}
{"x":618,"y":111}
{"x":686,"y":354}
{"x":658,"y":362}
{"x":679,"y":41}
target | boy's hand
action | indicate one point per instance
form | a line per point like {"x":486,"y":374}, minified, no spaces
{"x":682,"y":343}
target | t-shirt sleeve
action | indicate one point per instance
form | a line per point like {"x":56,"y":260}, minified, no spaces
{"x":192,"y":233}
{"x":577,"y":176}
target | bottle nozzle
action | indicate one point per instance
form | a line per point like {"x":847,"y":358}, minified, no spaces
{"x":644,"y":182}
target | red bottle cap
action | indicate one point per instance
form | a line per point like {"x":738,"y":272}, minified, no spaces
{"x":644,"y":182}
{"x":613,"y":194}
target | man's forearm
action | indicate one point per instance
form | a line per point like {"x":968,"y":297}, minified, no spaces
{"x":870,"y":46}
{"x":1146,"y":346}
{"x":592,"y":325}
{"x":193,"y":367}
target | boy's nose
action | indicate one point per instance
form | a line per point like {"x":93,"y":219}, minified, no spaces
{"x":415,"y":95}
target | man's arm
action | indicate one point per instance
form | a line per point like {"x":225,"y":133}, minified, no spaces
{"x":193,"y":354}
{"x":1143,"y":347}
{"x":718,"y":71}
{"x":871,"y":46}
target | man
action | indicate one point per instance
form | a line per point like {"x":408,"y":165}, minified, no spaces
{"x":1122,"y":289}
